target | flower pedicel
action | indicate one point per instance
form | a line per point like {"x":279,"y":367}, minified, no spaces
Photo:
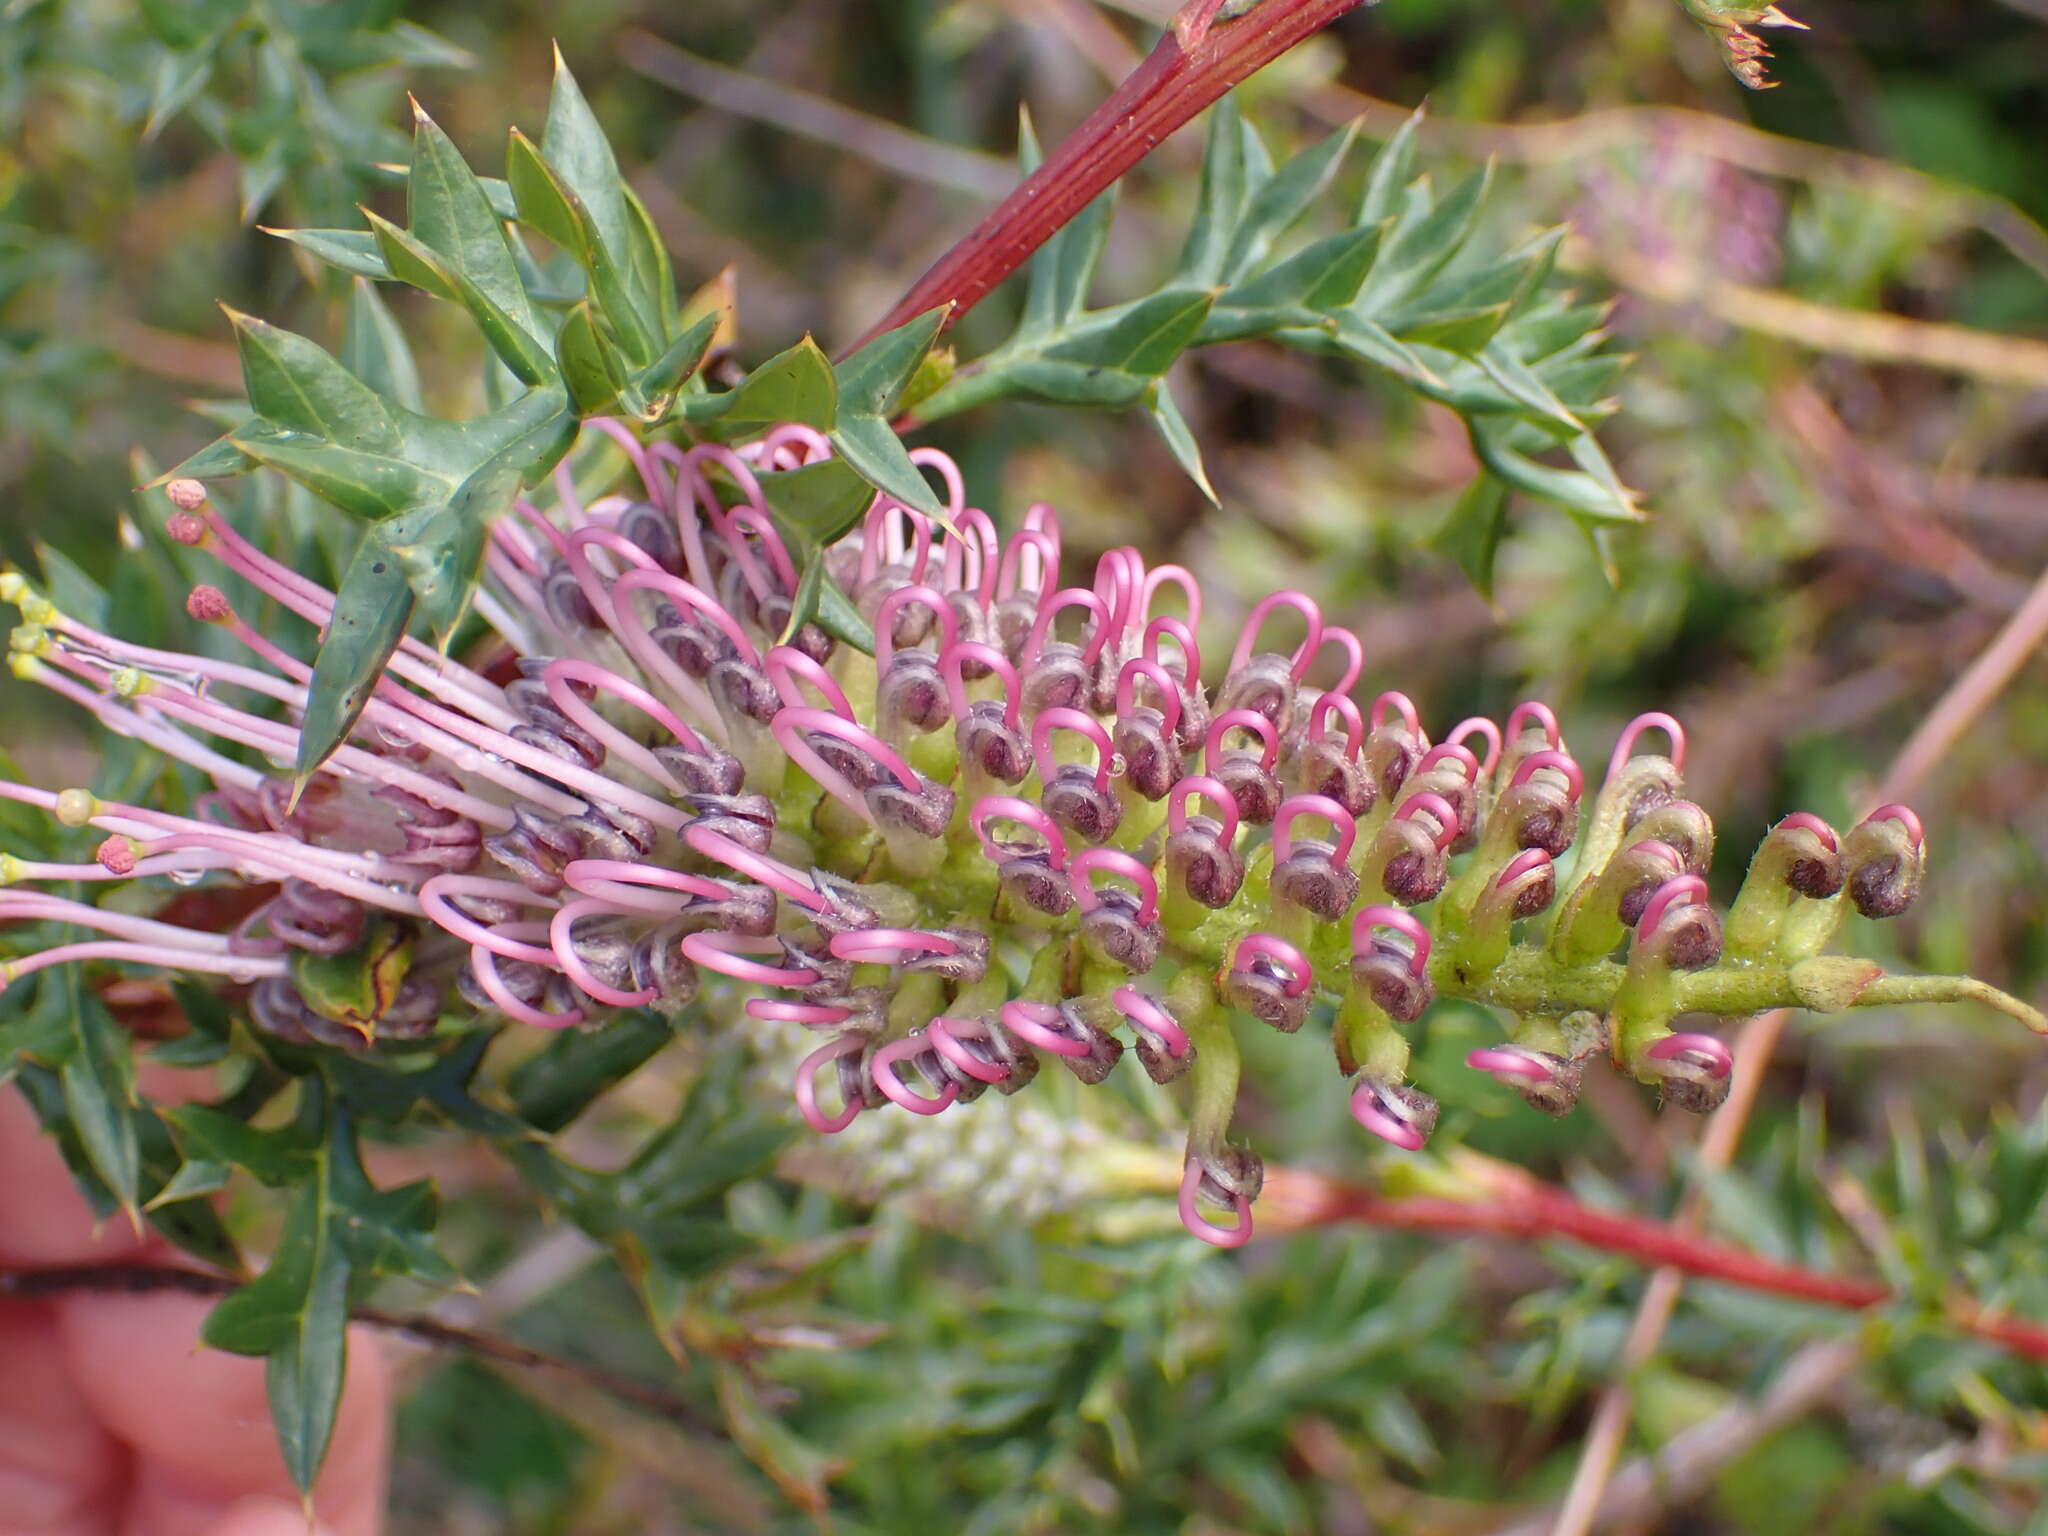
{"x":1024,"y":832}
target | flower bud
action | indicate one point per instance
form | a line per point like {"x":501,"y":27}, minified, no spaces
{"x":1885,"y":858}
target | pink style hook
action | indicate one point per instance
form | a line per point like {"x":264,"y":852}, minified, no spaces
{"x":880,"y":536}
{"x":1341,"y":821}
{"x":1119,"y":579}
{"x":1060,"y":718}
{"x":1212,"y":790}
{"x":484,"y":966}
{"x":1181,"y":635}
{"x":983,"y":554}
{"x":781,"y":1010}
{"x":1354,"y":723}
{"x":1557,"y":762}
{"x":1041,"y":627}
{"x":1905,"y":817}
{"x":1366,"y":1111}
{"x":726,"y":953}
{"x":1009,"y":808}
{"x":790,"y":669}
{"x":1807,"y":821}
{"x":1686,"y":890}
{"x":895,"y":603}
{"x":1440,"y":809}
{"x":789,"y":728}
{"x":1215,"y":1234}
{"x":1176,"y":575}
{"x":1354,"y":655}
{"x":944,"y":1036}
{"x":1158,"y":677}
{"x":807,"y":1086}
{"x":646,"y":888}
{"x":1112,"y":861}
{"x":1507,"y":1063}
{"x":952,"y":669}
{"x":1712,"y":1054}
{"x":1402,"y":922}
{"x":1276,"y":952}
{"x":1523,"y":863}
{"x":1300,"y":602}
{"x":1033,"y":1024}
{"x":956,"y":487}
{"x":1651,"y":720}
{"x":1401,"y":705}
{"x":564,"y":674}
{"x":1144,"y":1013}
{"x":889,"y":946}
{"x":1449,"y":751}
{"x":678,"y":591}
{"x":1545,"y":718}
{"x":883,"y":1070}
{"x":758,"y":867}
{"x":1242,"y":720}
{"x":562,"y":935}
{"x":1010,"y":573}
{"x":1478,"y":725}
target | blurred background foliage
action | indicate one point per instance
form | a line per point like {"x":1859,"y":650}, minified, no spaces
{"x":1836,"y":295}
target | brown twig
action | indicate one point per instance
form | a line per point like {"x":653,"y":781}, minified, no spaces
{"x":150,"y":1279}
{"x":1517,"y":1205}
{"x":1169,"y":87}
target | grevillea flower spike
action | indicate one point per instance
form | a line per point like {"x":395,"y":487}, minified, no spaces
{"x":1026,"y":831}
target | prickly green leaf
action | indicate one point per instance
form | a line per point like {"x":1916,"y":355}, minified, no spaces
{"x":592,"y":369}
{"x":550,"y":1089}
{"x":218,"y":460}
{"x":441,"y":549}
{"x":1173,"y":428}
{"x":371,"y":608}
{"x":1472,"y":533}
{"x":576,"y":147}
{"x":278,"y":1158}
{"x":1323,"y":275}
{"x":871,"y":446}
{"x":874,"y":378}
{"x":1234,"y":164}
{"x":413,"y":261}
{"x":66,"y":584}
{"x":1063,"y":268}
{"x":647,"y":261}
{"x":1142,"y":338}
{"x":1463,"y":331}
{"x":374,"y":349}
{"x":794,"y":385}
{"x":98,"y":1078}
{"x":840,"y":619}
{"x":356,"y":987}
{"x":296,"y":384}
{"x":354,"y":251}
{"x":1392,"y":169}
{"x":817,"y":504}
{"x":1284,"y":198}
{"x":1421,"y":244}
{"x":448,"y":212}
{"x":365,"y":485}
{"x":550,"y":203}
{"x":40,"y":1032}
{"x":659,"y":381}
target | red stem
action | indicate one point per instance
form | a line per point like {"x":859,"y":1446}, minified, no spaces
{"x":1530,"y":1211}
{"x":1157,"y":97}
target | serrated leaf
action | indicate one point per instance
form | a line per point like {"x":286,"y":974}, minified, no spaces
{"x":550,"y":1089}
{"x":1463,"y":331}
{"x":365,"y":485}
{"x":794,"y":385}
{"x":870,"y":445}
{"x":371,"y":608}
{"x":375,"y":350}
{"x":1173,"y":428}
{"x":1141,"y":338}
{"x":279,"y":1158}
{"x":448,"y":212}
{"x":218,"y":460}
{"x":296,"y":384}
{"x":1472,"y":533}
{"x":870,"y":384}
{"x":549,"y":203}
{"x":192,"y":1181}
{"x":98,"y":1080}
{"x":1584,"y":495}
{"x":1284,"y":198}
{"x":1323,"y":275}
{"x":354,"y":251}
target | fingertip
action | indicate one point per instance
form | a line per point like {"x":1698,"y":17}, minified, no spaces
{"x":264,"y":1516}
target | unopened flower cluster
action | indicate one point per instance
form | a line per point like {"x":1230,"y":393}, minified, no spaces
{"x":1025,"y":834}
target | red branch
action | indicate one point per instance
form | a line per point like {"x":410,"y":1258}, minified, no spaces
{"x":1528,"y":1210}
{"x":1171,"y":86}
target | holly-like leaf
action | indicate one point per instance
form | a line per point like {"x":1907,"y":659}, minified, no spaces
{"x":871,"y":383}
{"x":1234,"y":165}
{"x":1142,"y":338}
{"x":370,"y":486}
{"x":448,"y":212}
{"x":549,"y":203}
{"x":658,"y":383}
{"x":512,"y":339}
{"x":371,"y":609}
{"x":1284,"y":197}
{"x":1180,"y":442}
{"x":297,"y":385}
{"x":576,"y":148}
{"x":796,"y":384}
{"x":818,"y":504}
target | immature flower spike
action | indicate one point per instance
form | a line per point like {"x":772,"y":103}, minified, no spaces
{"x":1024,"y":832}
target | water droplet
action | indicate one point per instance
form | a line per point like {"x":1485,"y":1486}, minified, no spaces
{"x":185,"y":876}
